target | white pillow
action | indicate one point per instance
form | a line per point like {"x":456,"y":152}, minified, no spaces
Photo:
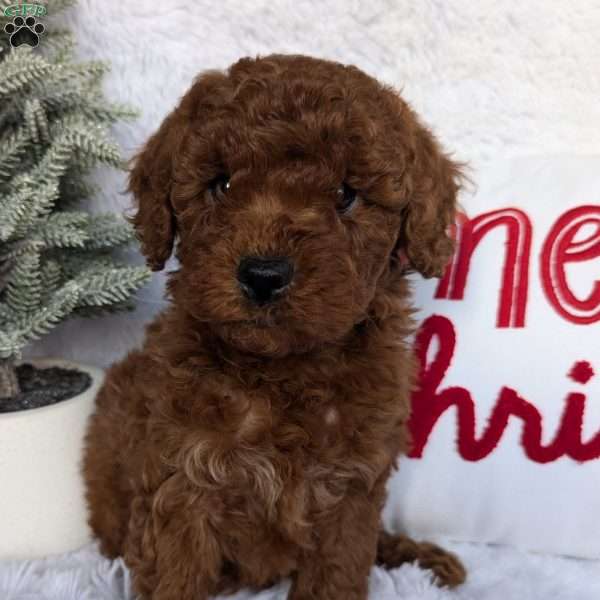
{"x":513,"y":329}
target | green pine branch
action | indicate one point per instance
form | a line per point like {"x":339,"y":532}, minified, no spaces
{"x":63,"y":230}
{"x":39,"y":323}
{"x":13,"y":145}
{"x":108,"y":231}
{"x":22,"y":69}
{"x":56,"y":260}
{"x":113,"y":286}
{"x":24,"y":284}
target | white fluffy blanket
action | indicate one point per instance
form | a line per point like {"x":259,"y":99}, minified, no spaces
{"x":494,"y":79}
{"x":495,"y":574}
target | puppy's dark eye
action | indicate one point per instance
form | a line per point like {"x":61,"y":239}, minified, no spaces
{"x":346,"y":198}
{"x":219,"y":186}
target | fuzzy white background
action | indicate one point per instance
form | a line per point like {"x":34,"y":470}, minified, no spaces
{"x":494,"y":79}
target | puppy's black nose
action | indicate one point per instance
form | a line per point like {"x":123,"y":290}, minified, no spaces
{"x":264,"y":280}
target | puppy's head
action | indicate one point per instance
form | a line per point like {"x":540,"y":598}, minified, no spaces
{"x":292,"y":186}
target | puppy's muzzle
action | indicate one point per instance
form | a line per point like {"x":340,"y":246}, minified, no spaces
{"x":264,"y":279}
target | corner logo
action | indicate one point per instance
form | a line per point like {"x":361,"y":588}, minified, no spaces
{"x":25,"y":29}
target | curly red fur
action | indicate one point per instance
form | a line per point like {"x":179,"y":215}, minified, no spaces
{"x":243,"y":444}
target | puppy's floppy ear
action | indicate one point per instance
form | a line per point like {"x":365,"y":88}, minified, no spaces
{"x":151,"y":178}
{"x":150,"y":182}
{"x":434,"y":182}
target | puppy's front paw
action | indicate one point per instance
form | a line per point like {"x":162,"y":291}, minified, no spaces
{"x":447,"y":568}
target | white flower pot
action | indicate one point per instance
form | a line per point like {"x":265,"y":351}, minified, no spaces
{"x":42,"y":505}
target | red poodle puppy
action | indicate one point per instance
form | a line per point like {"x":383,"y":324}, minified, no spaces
{"x":251,"y":437}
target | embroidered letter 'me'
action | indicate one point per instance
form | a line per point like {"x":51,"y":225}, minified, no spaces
{"x":512,"y":303}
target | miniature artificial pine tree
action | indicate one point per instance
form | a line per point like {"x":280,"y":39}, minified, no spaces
{"x":55,"y":260}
